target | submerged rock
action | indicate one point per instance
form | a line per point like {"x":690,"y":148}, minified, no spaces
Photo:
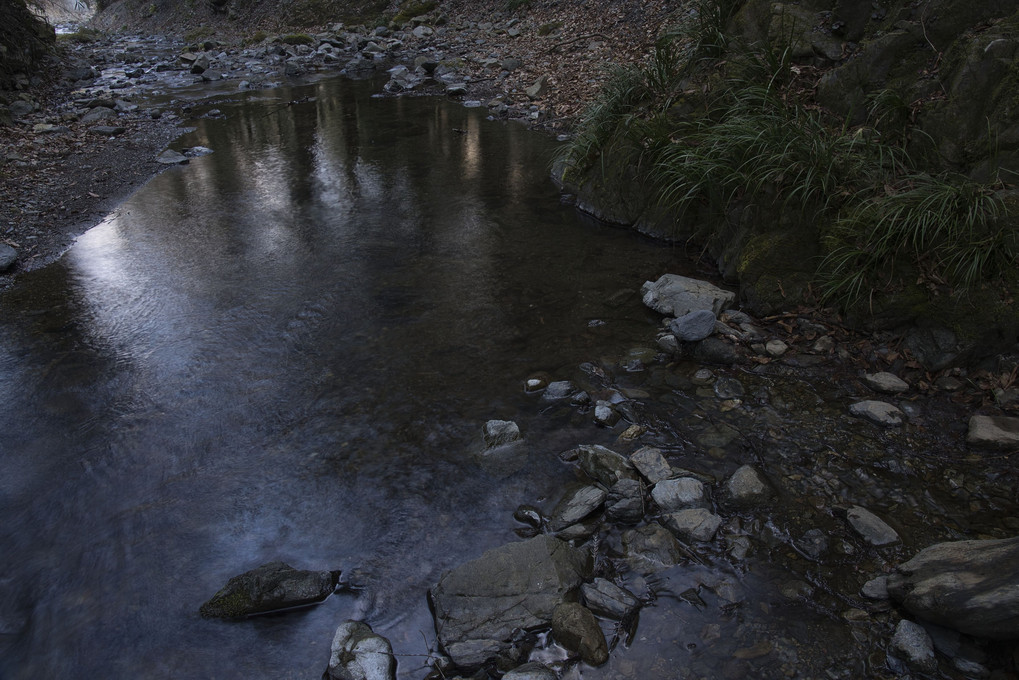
{"x":358,"y":653}
{"x":480,"y":606}
{"x":499,"y":432}
{"x":270,"y":587}
{"x":971,"y":586}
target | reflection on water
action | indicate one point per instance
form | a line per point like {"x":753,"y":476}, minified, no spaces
{"x":286,"y":350}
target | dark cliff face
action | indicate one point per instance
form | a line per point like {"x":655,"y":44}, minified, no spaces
{"x":24,"y":39}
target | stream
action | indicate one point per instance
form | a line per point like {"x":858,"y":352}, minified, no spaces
{"x":287,"y":349}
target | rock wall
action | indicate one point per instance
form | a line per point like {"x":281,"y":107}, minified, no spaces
{"x":24,"y":40}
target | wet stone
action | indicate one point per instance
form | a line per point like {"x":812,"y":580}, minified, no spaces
{"x":358,"y":653}
{"x":576,"y":505}
{"x":694,"y":326}
{"x":604,"y":465}
{"x":500,"y":432}
{"x":870,"y":527}
{"x":576,"y":629}
{"x":878,"y":412}
{"x":714,"y":350}
{"x":605,"y":414}
{"x":605,"y":598}
{"x":677,"y":494}
{"x":625,"y":502}
{"x":561,"y":389}
{"x":694,"y":524}
{"x":170,"y":157}
{"x":651,"y":548}
{"x":875,"y":589}
{"x":531,"y":671}
{"x":268,"y":588}
{"x":813,"y":543}
{"x":747,"y":487}
{"x":650,"y":462}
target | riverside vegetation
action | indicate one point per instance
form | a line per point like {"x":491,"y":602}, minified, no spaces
{"x":811,"y":168}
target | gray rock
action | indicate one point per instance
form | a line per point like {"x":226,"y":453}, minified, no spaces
{"x":511,"y":64}
{"x":878,"y":412}
{"x":20,"y":108}
{"x":423,"y":31}
{"x":912,"y":644}
{"x":885,"y":382}
{"x":605,"y":414}
{"x":357,"y":653}
{"x":994,"y":432}
{"x":675,"y":295}
{"x":776,"y":348}
{"x":98,"y":113}
{"x":625,"y":503}
{"x":270,"y":587}
{"x":870,"y":527}
{"x":650,"y":462}
{"x":500,"y":432}
{"x":747,"y":487}
{"x":935,"y":348}
{"x":8,"y":256}
{"x":456,"y":89}
{"x":651,"y":548}
{"x":677,"y":494}
{"x":604,"y":465}
{"x":606,"y":599}
{"x":481,"y":605}
{"x":576,"y":629}
{"x":875,"y":589}
{"x":694,"y":326}
{"x":560,"y":389}
{"x":693,"y":524}
{"x":575,"y":505}
{"x":199,"y":64}
{"x":539,"y":89}
{"x":531,"y":671}
{"x":970,"y":586}
{"x":171,"y":157}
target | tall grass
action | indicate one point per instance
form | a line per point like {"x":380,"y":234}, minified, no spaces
{"x":752,"y":144}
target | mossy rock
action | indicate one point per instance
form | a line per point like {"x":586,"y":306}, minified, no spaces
{"x":271,"y":587}
{"x":298,"y":39}
{"x":776,"y":269}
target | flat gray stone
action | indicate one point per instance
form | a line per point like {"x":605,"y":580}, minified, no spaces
{"x":693,"y":524}
{"x":650,"y":462}
{"x":171,"y":157}
{"x":694,"y":326}
{"x":870,"y":527}
{"x":678,"y":494}
{"x":576,"y":505}
{"x":885,"y":382}
{"x":878,"y":412}
{"x":675,"y":295}
{"x":993,"y":432}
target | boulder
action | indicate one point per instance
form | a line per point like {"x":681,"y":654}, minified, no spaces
{"x":480,"y":606}
{"x":268,"y":588}
{"x":694,"y":326}
{"x":970,"y":586}
{"x":576,"y":629}
{"x":878,"y":412}
{"x":675,"y":295}
{"x":870,"y":527}
{"x":994,"y":432}
{"x":357,"y":653}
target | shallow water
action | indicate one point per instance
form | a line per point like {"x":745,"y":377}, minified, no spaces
{"x":287,"y":350}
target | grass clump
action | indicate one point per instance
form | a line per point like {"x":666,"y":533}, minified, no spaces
{"x":414,"y":8}
{"x":82,"y":36}
{"x":297,"y":39}
{"x":198,"y":34}
{"x":254,"y":39}
{"x":706,"y":132}
{"x":549,"y":28}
